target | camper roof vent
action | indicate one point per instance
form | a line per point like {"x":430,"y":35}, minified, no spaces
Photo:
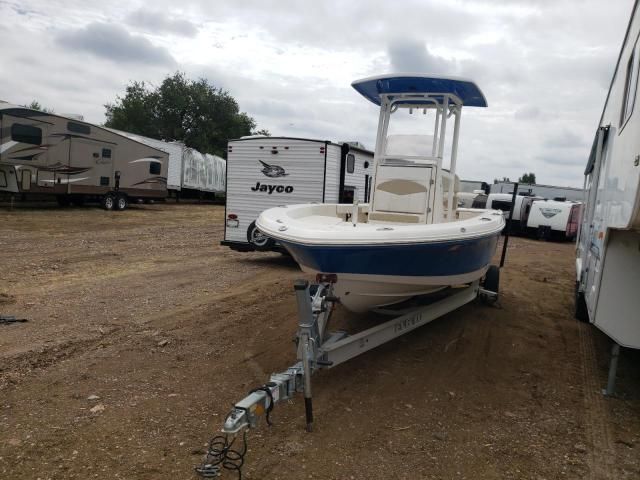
{"x":74,"y":116}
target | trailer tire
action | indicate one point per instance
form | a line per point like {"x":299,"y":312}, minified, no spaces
{"x":580,"y":306}
{"x":492,"y":283}
{"x":108,"y":201}
{"x":259,"y":240}
{"x":122,"y":202}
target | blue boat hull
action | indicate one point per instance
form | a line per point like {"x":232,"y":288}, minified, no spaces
{"x":433,"y":259}
{"x":371,"y":276}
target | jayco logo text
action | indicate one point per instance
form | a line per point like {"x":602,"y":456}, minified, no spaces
{"x":272,"y":188}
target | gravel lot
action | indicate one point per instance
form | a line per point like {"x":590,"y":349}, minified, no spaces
{"x":143,"y":331}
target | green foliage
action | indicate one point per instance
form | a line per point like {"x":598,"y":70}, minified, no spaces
{"x":190,"y":111}
{"x":35,"y":105}
{"x":504,"y":179}
{"x":528,"y":178}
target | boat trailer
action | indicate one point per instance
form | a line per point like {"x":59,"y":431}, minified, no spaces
{"x":317,"y":349}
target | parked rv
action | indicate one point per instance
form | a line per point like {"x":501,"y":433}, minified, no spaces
{"x":265,"y":172}
{"x":502,"y":201}
{"x":190,"y":173}
{"x":75,"y":160}
{"x":553,"y":219}
{"x":608,"y":247}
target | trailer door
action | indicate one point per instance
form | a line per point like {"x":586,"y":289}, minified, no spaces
{"x":594,"y":227}
{"x":90,"y":163}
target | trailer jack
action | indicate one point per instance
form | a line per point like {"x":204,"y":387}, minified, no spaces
{"x":317,"y":348}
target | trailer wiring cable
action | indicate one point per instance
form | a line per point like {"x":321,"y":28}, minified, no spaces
{"x":220,"y":454}
{"x":267,"y":390}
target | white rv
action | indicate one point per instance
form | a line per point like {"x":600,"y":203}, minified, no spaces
{"x":553,"y":219}
{"x":608,"y":248}
{"x":265,"y":172}
{"x":502,"y":201}
{"x":44,"y":153}
{"x":189,"y":172}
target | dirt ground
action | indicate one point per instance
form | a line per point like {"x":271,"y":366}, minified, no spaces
{"x":143,"y":331}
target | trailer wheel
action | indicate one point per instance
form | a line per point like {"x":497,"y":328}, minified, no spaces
{"x":492,"y":283}
{"x":108,"y":201}
{"x":121,"y":202}
{"x":258,"y":239}
{"x":580,"y":306}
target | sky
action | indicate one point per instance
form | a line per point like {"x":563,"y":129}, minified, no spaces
{"x":543,"y":65}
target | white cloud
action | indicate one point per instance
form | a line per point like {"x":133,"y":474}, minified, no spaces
{"x":544,"y":66}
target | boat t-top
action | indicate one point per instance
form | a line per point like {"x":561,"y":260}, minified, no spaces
{"x":411,"y":238}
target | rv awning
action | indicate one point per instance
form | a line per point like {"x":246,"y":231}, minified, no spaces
{"x":371,"y":88}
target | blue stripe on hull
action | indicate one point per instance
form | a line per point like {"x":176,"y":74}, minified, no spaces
{"x":419,"y":260}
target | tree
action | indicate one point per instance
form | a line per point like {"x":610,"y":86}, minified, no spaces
{"x":504,"y":180}
{"x":35,"y":105}
{"x":190,"y":111}
{"x":528,"y":178}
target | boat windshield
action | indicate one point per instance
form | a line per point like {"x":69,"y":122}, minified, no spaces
{"x":410,"y":134}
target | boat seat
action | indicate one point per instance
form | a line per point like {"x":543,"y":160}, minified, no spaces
{"x":393,"y":217}
{"x":400,"y":196}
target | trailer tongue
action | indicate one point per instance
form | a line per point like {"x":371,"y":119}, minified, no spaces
{"x":317,"y":348}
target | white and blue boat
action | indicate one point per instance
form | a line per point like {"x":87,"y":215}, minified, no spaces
{"x":411,"y":239}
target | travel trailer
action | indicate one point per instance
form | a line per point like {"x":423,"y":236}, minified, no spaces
{"x":608,"y":247}
{"x":76,"y":161}
{"x":190,"y":173}
{"x":548,"y":219}
{"x":502,"y":201}
{"x":265,"y":172}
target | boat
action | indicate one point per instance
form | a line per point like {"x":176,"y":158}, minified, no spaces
{"x":411,"y":239}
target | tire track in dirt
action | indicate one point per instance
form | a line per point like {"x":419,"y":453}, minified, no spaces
{"x":15,"y":367}
{"x":596,"y":413}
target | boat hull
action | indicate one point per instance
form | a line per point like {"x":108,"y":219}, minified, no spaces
{"x":371,"y":276}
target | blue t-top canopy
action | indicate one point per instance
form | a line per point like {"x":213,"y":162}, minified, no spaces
{"x":467,"y":91}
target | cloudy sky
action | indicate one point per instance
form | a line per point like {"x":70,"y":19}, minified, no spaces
{"x":544,"y":65}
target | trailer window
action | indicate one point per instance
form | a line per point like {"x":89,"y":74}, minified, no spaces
{"x":154,"y":168}
{"x":26,"y":134}
{"x":630,"y":86}
{"x":106,"y":153}
{"x":351,"y":163}
{"x":78,"y":128}
{"x":3,"y":179}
